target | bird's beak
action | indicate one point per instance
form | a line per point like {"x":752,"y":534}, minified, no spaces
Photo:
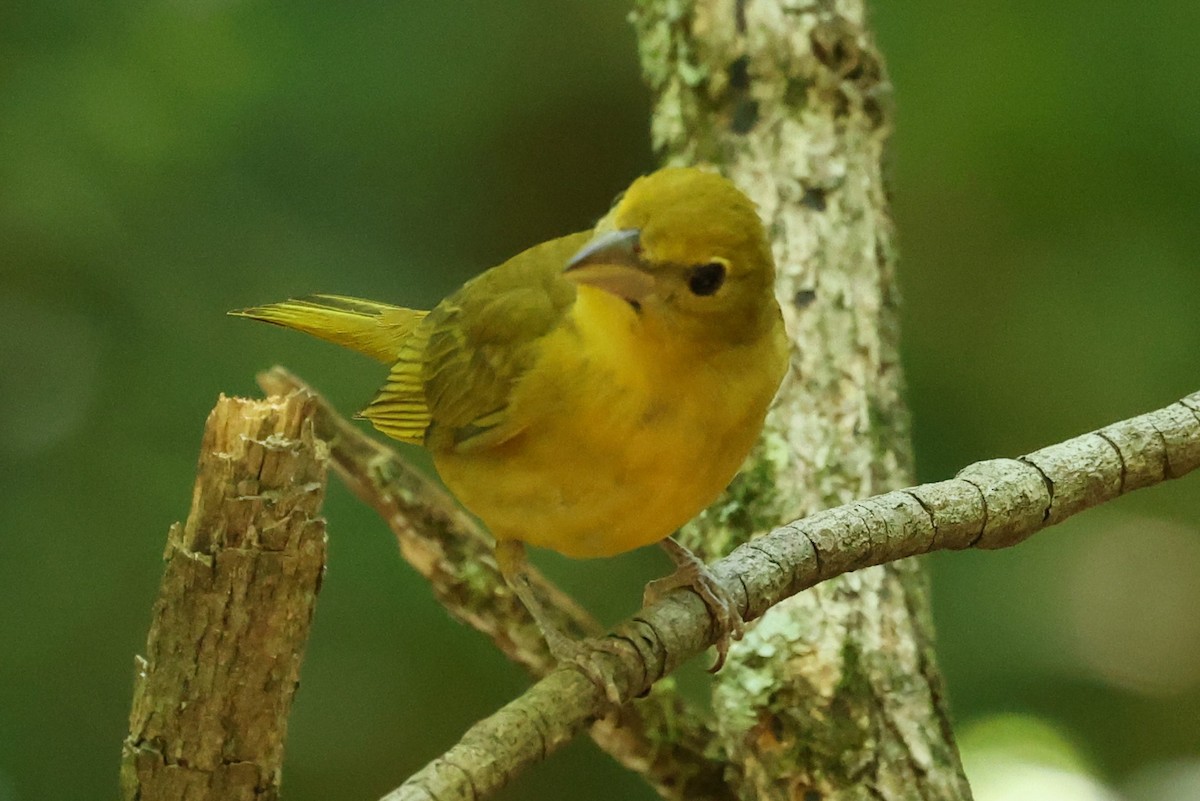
{"x":612,"y":261}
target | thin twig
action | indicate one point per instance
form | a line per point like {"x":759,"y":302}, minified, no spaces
{"x":991,"y":504}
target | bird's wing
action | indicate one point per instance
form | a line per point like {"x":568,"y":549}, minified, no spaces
{"x":399,"y":409}
{"x":451,"y":385}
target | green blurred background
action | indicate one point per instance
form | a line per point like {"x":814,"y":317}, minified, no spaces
{"x":161,"y":162}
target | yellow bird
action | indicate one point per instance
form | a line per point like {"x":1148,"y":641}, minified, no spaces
{"x":595,"y":392}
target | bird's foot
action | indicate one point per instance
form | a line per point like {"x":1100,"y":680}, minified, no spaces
{"x":692,"y":573}
{"x":586,"y":656}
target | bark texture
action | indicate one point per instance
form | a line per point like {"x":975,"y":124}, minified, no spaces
{"x":212,"y":694}
{"x":836,"y":693}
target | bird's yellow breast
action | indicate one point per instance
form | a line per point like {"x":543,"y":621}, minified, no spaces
{"x":626,"y":432}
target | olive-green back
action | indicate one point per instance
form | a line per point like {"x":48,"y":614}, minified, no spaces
{"x":451,"y":383}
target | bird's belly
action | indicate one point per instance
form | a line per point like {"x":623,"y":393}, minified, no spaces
{"x":611,"y":470}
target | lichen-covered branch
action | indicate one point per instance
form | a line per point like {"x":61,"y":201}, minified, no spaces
{"x":662,"y":737}
{"x":992,"y":504}
{"x":222,"y":662}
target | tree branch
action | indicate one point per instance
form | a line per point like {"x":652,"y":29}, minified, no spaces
{"x":212,"y":695}
{"x":990,"y":504}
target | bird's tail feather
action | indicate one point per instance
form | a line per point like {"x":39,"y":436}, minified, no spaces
{"x":374,"y":329}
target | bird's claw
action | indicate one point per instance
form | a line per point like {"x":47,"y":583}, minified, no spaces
{"x":726,"y":616}
{"x":695,"y":575}
{"x":585,"y":656}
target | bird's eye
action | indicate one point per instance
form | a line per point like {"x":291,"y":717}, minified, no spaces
{"x":707,"y":278}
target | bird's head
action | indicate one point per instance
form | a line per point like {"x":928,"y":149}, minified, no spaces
{"x":685,"y":249}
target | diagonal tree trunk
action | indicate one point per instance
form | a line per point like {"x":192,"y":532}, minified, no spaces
{"x":835,"y":693}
